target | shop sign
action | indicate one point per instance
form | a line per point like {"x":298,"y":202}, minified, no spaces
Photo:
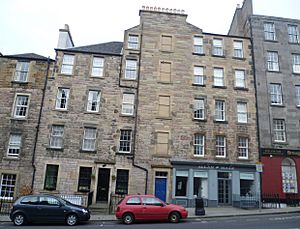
{"x":280,"y":152}
{"x":216,"y":167}
{"x":246,"y":176}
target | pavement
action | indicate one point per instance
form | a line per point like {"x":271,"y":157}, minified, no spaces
{"x":209,"y":213}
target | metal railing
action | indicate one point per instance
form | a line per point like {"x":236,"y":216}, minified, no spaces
{"x":270,"y":200}
{"x":246,"y":201}
{"x":6,"y":205}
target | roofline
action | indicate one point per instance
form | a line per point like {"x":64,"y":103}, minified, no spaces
{"x":223,"y":35}
{"x":267,"y":17}
{"x":26,"y":58}
{"x":77,"y":51}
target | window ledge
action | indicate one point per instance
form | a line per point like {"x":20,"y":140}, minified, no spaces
{"x":198,"y":85}
{"x":164,"y":82}
{"x":273,"y":41}
{"x":199,"y":120}
{"x":166,"y":118}
{"x":198,"y":54}
{"x":221,"y":87}
{"x":19,"y":119}
{"x":242,"y":123}
{"x":273,"y":71}
{"x":8,"y":158}
{"x":92,"y":112}
{"x":293,"y":43}
{"x":162,"y":155}
{"x":88,"y":151}
{"x":123,"y":153}
{"x":65,"y":74}
{"x":280,"y":143}
{"x":47,"y":191}
{"x":221,"y":122}
{"x":166,"y":51}
{"x":97,"y":77}
{"x":127,"y":115}
{"x":243,"y":159}
{"x":277,"y":105}
{"x":241,"y":88}
{"x":222,"y":158}
{"x":60,"y":110}
{"x":220,"y":56}
{"x":19,"y":82}
{"x":238,"y":58}
{"x":129,"y":80}
{"x":296,"y":73}
{"x":55,"y":149}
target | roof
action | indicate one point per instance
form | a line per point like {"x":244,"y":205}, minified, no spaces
{"x":112,"y":48}
{"x":29,"y":56}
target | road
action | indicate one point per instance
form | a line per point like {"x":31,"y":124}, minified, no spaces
{"x":278,"y":221}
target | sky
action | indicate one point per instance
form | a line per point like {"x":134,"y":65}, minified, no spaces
{"x":31,"y":26}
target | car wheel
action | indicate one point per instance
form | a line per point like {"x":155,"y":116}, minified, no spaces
{"x":71,"y":220}
{"x":174,"y":217}
{"x":19,"y":219}
{"x":128,"y":218}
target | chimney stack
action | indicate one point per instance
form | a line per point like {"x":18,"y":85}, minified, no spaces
{"x":65,"y":39}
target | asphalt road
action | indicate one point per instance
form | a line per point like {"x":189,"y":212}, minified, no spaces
{"x":282,"y":221}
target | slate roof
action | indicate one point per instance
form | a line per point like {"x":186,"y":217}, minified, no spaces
{"x":30,"y":56}
{"x":112,"y":48}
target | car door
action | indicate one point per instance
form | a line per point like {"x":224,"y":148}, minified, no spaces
{"x":133,"y":204}
{"x":29,"y":205}
{"x":51,"y":209}
{"x":153,"y":209}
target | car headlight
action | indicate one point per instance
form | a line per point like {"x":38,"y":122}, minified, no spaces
{"x":84,"y":211}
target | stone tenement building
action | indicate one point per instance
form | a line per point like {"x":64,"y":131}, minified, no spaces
{"x":276,"y":52}
{"x":22,"y":85}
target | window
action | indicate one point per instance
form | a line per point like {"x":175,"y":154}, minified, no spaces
{"x":84,"y":180}
{"x":289,"y":176}
{"x":151,"y":201}
{"x":164,"y":106}
{"x":269,"y":30}
{"x":293,"y":34}
{"x":122,"y":182}
{"x":240,"y":81}
{"x":51,"y":177}
{"x":199,"y":145}
{"x":220,"y":110}
{"x":297,"y":96}
{"x":89,"y":139}
{"x":218,"y":77}
{"x":276,"y":94}
{"x":238,"y":49}
{"x":200,"y":184}
{"x":125,"y":141}
{"x":46,"y":200}
{"x":133,"y":41}
{"x":181,"y":183}
{"x":93,"y":103}
{"x":98,"y":65}
{"x":273,"y":63}
{"x":30,"y":200}
{"x":247,"y":184}
{"x":199,"y":109}
{"x":62,"y":98}
{"x":296,"y":63}
{"x":218,"y":47}
{"x":165,"y":72}
{"x":198,"y":75}
{"x":131,"y":70}
{"x":22,"y":69}
{"x":67,"y":65}
{"x":133,"y":201}
{"x":243,"y":147}
{"x":166,"y":43}
{"x":220,"y":146}
{"x":8,"y":185}
{"x":198,"y":45}
{"x":128,"y":104}
{"x":162,"y":143}
{"x":242,"y":112}
{"x":57,"y":137}
{"x":21,"y":106}
{"x":14,"y":145}
{"x":279,"y":130}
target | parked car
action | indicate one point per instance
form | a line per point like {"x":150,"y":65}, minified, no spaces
{"x":148,"y":207}
{"x":47,"y":208}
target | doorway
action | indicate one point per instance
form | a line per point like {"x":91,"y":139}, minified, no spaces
{"x":224,"y":188}
{"x":103,"y":185}
{"x":161,"y":185}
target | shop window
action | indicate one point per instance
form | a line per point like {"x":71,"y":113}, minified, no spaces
{"x":289,"y":176}
{"x":181,"y":183}
{"x":247,"y":184}
{"x":200,"y":184}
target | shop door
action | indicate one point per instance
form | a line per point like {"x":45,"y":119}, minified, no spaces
{"x":103,"y":185}
{"x":224,"y":189}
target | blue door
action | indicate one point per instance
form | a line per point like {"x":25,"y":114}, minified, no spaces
{"x":161,"y":188}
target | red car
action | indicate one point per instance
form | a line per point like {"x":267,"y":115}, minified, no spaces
{"x":148,"y":207}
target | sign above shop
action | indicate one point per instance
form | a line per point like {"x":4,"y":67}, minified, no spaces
{"x":280,"y":152}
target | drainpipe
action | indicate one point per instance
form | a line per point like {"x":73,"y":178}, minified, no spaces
{"x":38,"y":125}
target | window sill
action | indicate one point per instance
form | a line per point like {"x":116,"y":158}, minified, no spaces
{"x":199,"y":120}
{"x":198,"y":54}
{"x":164,"y":82}
{"x":221,"y":87}
{"x":277,"y":105}
{"x":243,"y":159}
{"x":20,"y":82}
{"x":127,"y":115}
{"x":273,"y":71}
{"x":296,"y":73}
{"x":46,"y":191}
{"x":273,"y":41}
{"x":239,"y":58}
{"x":60,"y":110}
{"x":165,"y":118}
{"x":293,"y":43}
{"x":242,"y":123}
{"x":88,"y":151}
{"x":129,"y":80}
{"x":221,"y":122}
{"x":280,"y":143}
{"x":97,"y":77}
{"x":222,"y":158}
{"x":92,"y":112}
{"x":198,"y":85}
{"x":162,"y":155}
{"x":166,"y":51}
{"x":65,"y":74}
{"x":55,"y":149}
{"x":241,"y":88}
{"x":8,"y":158}
{"x":124,"y":153}
{"x":19,"y":119}
{"x":219,"y":56}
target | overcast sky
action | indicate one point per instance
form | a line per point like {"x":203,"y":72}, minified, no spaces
{"x":28,"y":26}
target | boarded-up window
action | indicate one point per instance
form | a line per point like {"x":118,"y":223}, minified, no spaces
{"x":165,"y":72}
{"x":166,"y":43}
{"x":162,"y":143}
{"x":164,"y":106}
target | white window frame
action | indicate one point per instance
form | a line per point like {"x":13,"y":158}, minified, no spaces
{"x":125,"y":138}
{"x":296,"y":63}
{"x":21,"y":105}
{"x":289,"y":176}
{"x":8,"y":186}
{"x":243,"y":147}
{"x":67,"y":64}
{"x":279,"y":130}
{"x":242,"y":116}
{"x":293,"y":34}
{"x":199,"y":108}
{"x":220,"y":146}
{"x":219,"y":80}
{"x":198,"y":75}
{"x":276,"y":94}
{"x":218,"y":47}
{"x":98,"y":67}
{"x":240,"y":79}
{"x":128,"y":104}
{"x":89,"y":139}
{"x":297,"y":88}
{"x":238,"y":49}
{"x":199,"y":145}
{"x":269,"y":31}
{"x":14,"y":145}
{"x":62,"y":97}
{"x":131,"y":69}
{"x":198,"y":45}
{"x":93,"y":103}
{"x":133,"y":41}
{"x":57,"y":137}
{"x":22,"y":71}
{"x":272,"y":61}
{"x":220,"y":110}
